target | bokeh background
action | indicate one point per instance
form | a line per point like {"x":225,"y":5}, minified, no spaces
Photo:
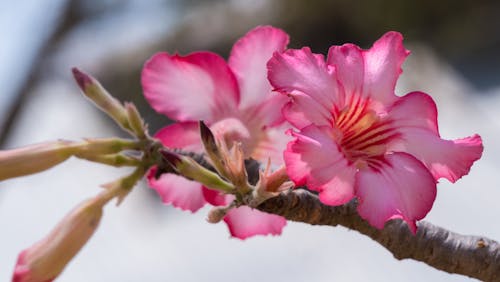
{"x":454,"y":58}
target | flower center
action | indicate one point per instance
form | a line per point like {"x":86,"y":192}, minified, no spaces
{"x":362,"y":134}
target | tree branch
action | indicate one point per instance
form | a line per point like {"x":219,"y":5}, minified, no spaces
{"x":474,"y":256}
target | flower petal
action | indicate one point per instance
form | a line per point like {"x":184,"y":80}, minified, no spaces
{"x":415,"y":109}
{"x":215,"y":198}
{"x":314,"y":159}
{"x":349,"y":66}
{"x":272,"y":147}
{"x":415,"y":116}
{"x":244,"y":222}
{"x":450,"y":159}
{"x":303,"y":111}
{"x":181,"y":135}
{"x":401,"y":187}
{"x":177,"y":190}
{"x":248,"y":61}
{"x":297,"y":72}
{"x":199,"y":86}
{"x":383,"y":66}
{"x":268,"y":113}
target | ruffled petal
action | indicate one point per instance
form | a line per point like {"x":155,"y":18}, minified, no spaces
{"x":415,"y":109}
{"x":400,"y":187}
{"x":314,"y":159}
{"x":302,"y":111}
{"x":244,"y":222}
{"x":248,"y":61}
{"x":177,"y":190}
{"x":199,"y":86}
{"x":349,"y":66}
{"x":450,"y":159}
{"x":415,"y":116}
{"x":383,"y":66}
{"x":181,"y":135}
{"x":296,"y":72}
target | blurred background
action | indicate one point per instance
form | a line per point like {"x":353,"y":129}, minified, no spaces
{"x":454,"y":58}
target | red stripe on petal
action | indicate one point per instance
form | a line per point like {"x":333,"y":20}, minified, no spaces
{"x":401,"y":188}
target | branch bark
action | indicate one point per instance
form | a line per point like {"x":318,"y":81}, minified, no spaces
{"x":473,"y":256}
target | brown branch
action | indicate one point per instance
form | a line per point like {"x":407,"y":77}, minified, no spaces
{"x":473,"y":256}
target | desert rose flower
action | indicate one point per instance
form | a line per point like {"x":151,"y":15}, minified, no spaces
{"x":357,"y":139}
{"x":236,"y":101}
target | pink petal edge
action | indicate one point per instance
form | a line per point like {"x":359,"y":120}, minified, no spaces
{"x":248,"y":61}
{"x":199,"y":86}
{"x":177,"y":190}
{"x":401,"y":187}
{"x":383,"y":66}
{"x":245,"y":222}
{"x":415,"y":116}
{"x":300,"y":72}
{"x":181,"y":135}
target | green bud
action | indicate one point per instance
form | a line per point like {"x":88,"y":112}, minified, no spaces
{"x":190,"y":169}
{"x":93,"y":90}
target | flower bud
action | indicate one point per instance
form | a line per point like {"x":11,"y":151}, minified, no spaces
{"x":211,"y":147}
{"x":34,"y":158}
{"x":135,"y":121}
{"x":45,"y":260}
{"x":216,"y":214}
{"x":93,"y":90}
{"x":277,"y":181}
{"x":190,"y":169}
{"x":270,"y":185}
{"x":235,"y":166}
{"x":229,"y":162}
{"x":105,"y":146}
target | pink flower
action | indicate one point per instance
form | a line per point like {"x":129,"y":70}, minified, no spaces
{"x":358,"y":139}
{"x":235,"y":100}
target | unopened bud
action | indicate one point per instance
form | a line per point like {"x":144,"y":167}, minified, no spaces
{"x":116,"y":160}
{"x":34,"y":158}
{"x":104,"y":101}
{"x":135,"y":121}
{"x":190,"y":169}
{"x":277,"y":181}
{"x":45,"y":260}
{"x":105,"y":146}
{"x":229,"y":162}
{"x":270,"y":185}
{"x":211,"y":147}
{"x":235,"y":167}
{"x":216,"y":214}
